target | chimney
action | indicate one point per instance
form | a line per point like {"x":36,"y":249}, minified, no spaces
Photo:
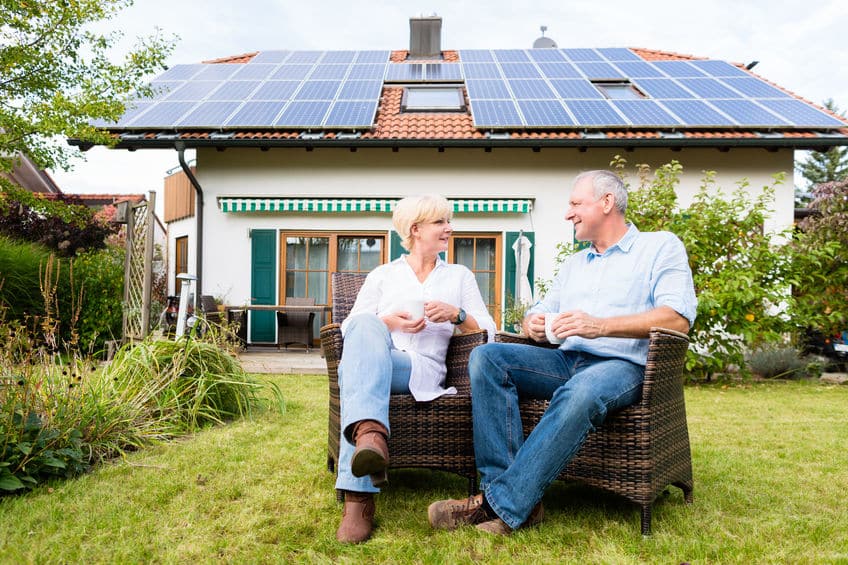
{"x":425,"y":37}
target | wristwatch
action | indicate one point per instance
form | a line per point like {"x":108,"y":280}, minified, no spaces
{"x":460,"y":317}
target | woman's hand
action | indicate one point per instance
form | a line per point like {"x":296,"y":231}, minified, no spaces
{"x":438,"y":312}
{"x":403,"y":322}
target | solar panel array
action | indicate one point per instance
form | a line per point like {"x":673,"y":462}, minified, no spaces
{"x":565,"y":88}
{"x":507,"y":89}
{"x":275,"y":89}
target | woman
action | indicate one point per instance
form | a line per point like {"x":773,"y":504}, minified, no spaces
{"x":394,"y":346}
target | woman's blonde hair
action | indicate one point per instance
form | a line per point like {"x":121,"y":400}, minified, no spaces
{"x":418,"y":210}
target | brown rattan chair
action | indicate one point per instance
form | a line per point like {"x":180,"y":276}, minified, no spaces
{"x":295,"y":327}
{"x":431,"y":435}
{"x":210,"y":309}
{"x":643,"y":448}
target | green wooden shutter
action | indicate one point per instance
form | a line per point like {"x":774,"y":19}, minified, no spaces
{"x":263,"y":284}
{"x":395,"y":249}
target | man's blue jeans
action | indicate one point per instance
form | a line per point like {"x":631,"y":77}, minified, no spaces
{"x":582,"y":389}
{"x":370,"y":370}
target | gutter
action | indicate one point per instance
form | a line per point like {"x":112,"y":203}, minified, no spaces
{"x":180,"y":147}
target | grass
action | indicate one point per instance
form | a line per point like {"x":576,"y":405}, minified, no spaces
{"x":771,"y":466}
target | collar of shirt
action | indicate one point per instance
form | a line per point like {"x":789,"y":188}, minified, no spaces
{"x":624,"y":244}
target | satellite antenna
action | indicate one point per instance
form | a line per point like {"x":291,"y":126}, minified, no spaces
{"x":544,"y":42}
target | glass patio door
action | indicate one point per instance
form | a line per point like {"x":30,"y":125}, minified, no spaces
{"x":481,"y":253}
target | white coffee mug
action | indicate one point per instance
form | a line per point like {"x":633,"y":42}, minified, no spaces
{"x":549,"y":319}
{"x":415,"y":308}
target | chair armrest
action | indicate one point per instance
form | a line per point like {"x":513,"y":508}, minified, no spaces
{"x":331,"y":346}
{"x":459,"y":351}
{"x":510,"y":337}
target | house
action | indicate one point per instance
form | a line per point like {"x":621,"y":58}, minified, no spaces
{"x":302,"y":154}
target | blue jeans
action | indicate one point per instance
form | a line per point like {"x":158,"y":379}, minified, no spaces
{"x":370,"y":370}
{"x":582,"y":389}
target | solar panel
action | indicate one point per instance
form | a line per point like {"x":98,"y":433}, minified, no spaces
{"x":134,"y":109}
{"x":709,"y":88}
{"x":595,"y":113}
{"x":273,"y":57}
{"x":255,"y":114}
{"x":480,"y":70}
{"x":546,"y":55}
{"x":372,"y":57}
{"x":531,"y":89}
{"x":559,"y":70}
{"x":162,"y":88}
{"x":544,"y":113}
{"x":495,"y":113}
{"x":511,"y":56}
{"x":276,"y":90}
{"x":163,"y":114}
{"x":719,"y":68}
{"x":304,"y":57}
{"x":619,"y":54}
{"x":747,"y":113}
{"x":582,"y":55}
{"x":195,"y":90}
{"x":291,"y":72}
{"x":678,"y":69}
{"x":599,"y":70}
{"x":476,"y":56}
{"x":303,"y":114}
{"x":485,"y":89}
{"x":209,"y":114}
{"x":361,"y":90}
{"x":367,"y":71}
{"x":318,"y":90}
{"x":575,"y":88}
{"x":220,"y":71}
{"x":638,"y":70}
{"x":645,"y":113}
{"x":338,"y":57}
{"x":801,"y":114}
{"x":663,"y":88}
{"x":520,"y":70}
{"x":253,"y":71}
{"x":404,"y":72}
{"x":351,"y":114}
{"x":755,"y":88}
{"x":329,"y":72}
{"x":443,"y":72}
{"x":697,"y":113}
{"x":235,"y":90}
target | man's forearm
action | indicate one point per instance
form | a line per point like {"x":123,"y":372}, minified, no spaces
{"x":639,"y":325}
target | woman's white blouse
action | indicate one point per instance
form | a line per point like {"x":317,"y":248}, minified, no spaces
{"x":391,"y":285}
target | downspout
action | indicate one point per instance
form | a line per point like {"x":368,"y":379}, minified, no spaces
{"x":180,"y":147}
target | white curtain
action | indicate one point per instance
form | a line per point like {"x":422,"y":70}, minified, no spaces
{"x":523,"y":289}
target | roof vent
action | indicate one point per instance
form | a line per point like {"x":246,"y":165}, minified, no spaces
{"x":544,"y":42}
{"x":425,"y":37}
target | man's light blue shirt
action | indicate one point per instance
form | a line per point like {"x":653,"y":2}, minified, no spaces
{"x":643,"y":271}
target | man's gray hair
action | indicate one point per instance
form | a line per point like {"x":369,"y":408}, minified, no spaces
{"x":607,"y":182}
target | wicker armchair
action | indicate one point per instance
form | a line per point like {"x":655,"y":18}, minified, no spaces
{"x":431,"y":435}
{"x":295,"y":327}
{"x":643,"y":448}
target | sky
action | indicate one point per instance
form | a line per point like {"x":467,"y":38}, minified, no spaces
{"x":799,"y":45}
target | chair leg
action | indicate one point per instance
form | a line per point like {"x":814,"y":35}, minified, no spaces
{"x":331,"y":464}
{"x":646,"y":519}
{"x":472,"y":486}
{"x":687,"y":489}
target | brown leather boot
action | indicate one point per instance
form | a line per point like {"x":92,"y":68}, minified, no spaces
{"x":357,"y":517}
{"x":371,"y":456}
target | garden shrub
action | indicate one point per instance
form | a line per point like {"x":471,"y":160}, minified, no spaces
{"x":99,"y":274}
{"x":776,"y":362}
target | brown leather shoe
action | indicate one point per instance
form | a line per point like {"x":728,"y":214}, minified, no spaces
{"x":357,"y":517}
{"x":371,"y":456}
{"x":451,"y":514}
{"x":500,"y":528}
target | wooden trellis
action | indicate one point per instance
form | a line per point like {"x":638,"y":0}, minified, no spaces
{"x":138,"y":268}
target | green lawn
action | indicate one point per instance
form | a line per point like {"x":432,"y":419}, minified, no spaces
{"x":771,"y":471}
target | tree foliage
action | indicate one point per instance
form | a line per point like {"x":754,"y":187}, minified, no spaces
{"x":56,"y":76}
{"x":825,"y":166}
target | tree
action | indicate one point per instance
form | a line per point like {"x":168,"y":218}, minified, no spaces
{"x":825,"y":166}
{"x":56,"y":77}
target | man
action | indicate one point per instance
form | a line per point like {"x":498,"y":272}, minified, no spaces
{"x":604,"y":301}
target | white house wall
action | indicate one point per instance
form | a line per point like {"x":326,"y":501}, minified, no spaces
{"x":544,"y":176}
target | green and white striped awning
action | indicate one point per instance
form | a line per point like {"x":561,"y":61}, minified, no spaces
{"x":230,"y":204}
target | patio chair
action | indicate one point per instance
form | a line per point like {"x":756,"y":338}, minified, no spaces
{"x":295,"y":327}
{"x":643,"y":448}
{"x":430,"y":435}
{"x":210,"y":309}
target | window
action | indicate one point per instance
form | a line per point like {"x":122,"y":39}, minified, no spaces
{"x":432,"y":99}
{"x":618,"y":90}
{"x":180,"y":261}
{"x":480,"y":254}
